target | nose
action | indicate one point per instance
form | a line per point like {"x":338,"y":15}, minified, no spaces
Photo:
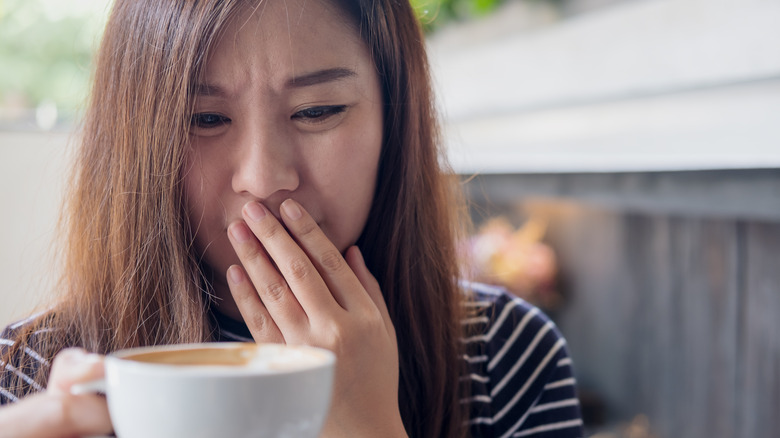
{"x":265,"y":163}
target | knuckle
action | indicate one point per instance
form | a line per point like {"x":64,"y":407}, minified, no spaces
{"x":372,"y":324}
{"x":274,"y":292}
{"x":299,"y":269}
{"x":253,"y":255}
{"x":271,"y":232}
{"x":346,"y":339}
{"x":244,"y":295}
{"x":67,"y":357}
{"x":307,"y":228}
{"x":335,"y":338}
{"x":332,"y":261}
{"x":258,"y":322}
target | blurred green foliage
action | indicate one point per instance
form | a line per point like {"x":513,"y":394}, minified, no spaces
{"x":436,"y":13}
{"x":46,"y":52}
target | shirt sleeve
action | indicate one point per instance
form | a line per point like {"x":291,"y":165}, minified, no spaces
{"x":528,"y":387}
{"x":18,"y":367}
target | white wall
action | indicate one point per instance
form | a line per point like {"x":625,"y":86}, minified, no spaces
{"x":32,"y":166}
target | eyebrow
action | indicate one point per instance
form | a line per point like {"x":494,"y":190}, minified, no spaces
{"x":210,"y":90}
{"x":320,"y":77}
{"x":307,"y":80}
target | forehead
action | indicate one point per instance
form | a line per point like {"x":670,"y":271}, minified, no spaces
{"x":282,"y":38}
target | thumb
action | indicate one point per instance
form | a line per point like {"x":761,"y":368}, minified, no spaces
{"x":56,"y":413}
{"x":71,"y":366}
{"x":45,"y":415}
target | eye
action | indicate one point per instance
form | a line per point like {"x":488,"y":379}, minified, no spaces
{"x":208,"y":120}
{"x":318,"y":114}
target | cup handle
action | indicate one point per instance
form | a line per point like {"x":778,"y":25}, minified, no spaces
{"x":97,"y":386}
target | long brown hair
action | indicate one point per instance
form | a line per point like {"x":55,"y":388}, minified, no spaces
{"x":131,"y":276}
{"x":409,"y":240}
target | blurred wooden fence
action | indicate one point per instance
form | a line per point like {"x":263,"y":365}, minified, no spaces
{"x":672,"y":283}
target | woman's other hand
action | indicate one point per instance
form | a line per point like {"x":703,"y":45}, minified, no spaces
{"x":295,"y":287}
{"x":56,"y":413}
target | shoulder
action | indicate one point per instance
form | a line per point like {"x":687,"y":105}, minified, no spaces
{"x":23,"y":365}
{"x":520,"y":371}
{"x":503,"y":322}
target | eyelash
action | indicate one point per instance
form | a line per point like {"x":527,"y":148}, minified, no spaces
{"x":208,"y":120}
{"x":316,"y":114}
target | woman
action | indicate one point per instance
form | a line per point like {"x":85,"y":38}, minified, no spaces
{"x":270,"y":171}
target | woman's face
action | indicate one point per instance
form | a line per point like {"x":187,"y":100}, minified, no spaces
{"x":290,"y":107}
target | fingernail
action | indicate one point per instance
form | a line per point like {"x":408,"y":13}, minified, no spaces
{"x":86,"y":362}
{"x":240,"y":232}
{"x":291,"y":209}
{"x":255,"y":211}
{"x":91,"y":358}
{"x":234,"y":272}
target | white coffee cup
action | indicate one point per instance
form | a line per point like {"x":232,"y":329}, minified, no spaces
{"x":215,"y":390}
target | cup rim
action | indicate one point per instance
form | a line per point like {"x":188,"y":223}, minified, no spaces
{"x":120,"y":358}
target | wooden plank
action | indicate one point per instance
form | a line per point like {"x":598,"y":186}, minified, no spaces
{"x":706,"y":316}
{"x":652,"y":313}
{"x":759,"y":375}
{"x":668,"y":315}
{"x":725,"y":194}
{"x":653,"y":283}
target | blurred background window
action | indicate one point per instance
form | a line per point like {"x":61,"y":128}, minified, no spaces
{"x":46,"y":48}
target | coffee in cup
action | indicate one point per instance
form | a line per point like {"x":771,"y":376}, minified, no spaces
{"x":237,"y":390}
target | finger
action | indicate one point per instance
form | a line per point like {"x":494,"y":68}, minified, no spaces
{"x":74,"y":365}
{"x":330,"y":264}
{"x":56,"y":415}
{"x":355,"y":260}
{"x":294,"y":264}
{"x":272,"y":289}
{"x":256,"y":316}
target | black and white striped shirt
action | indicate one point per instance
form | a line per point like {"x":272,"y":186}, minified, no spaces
{"x":522,"y":383}
{"x":520,"y":372}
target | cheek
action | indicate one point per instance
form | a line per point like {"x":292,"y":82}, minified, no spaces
{"x":193,"y":188}
{"x":199,"y":193}
{"x":353,"y":181}
{"x":205,"y":178}
{"x":207,"y":219}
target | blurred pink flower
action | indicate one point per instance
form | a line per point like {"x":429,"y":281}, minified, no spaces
{"x":515,"y":258}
